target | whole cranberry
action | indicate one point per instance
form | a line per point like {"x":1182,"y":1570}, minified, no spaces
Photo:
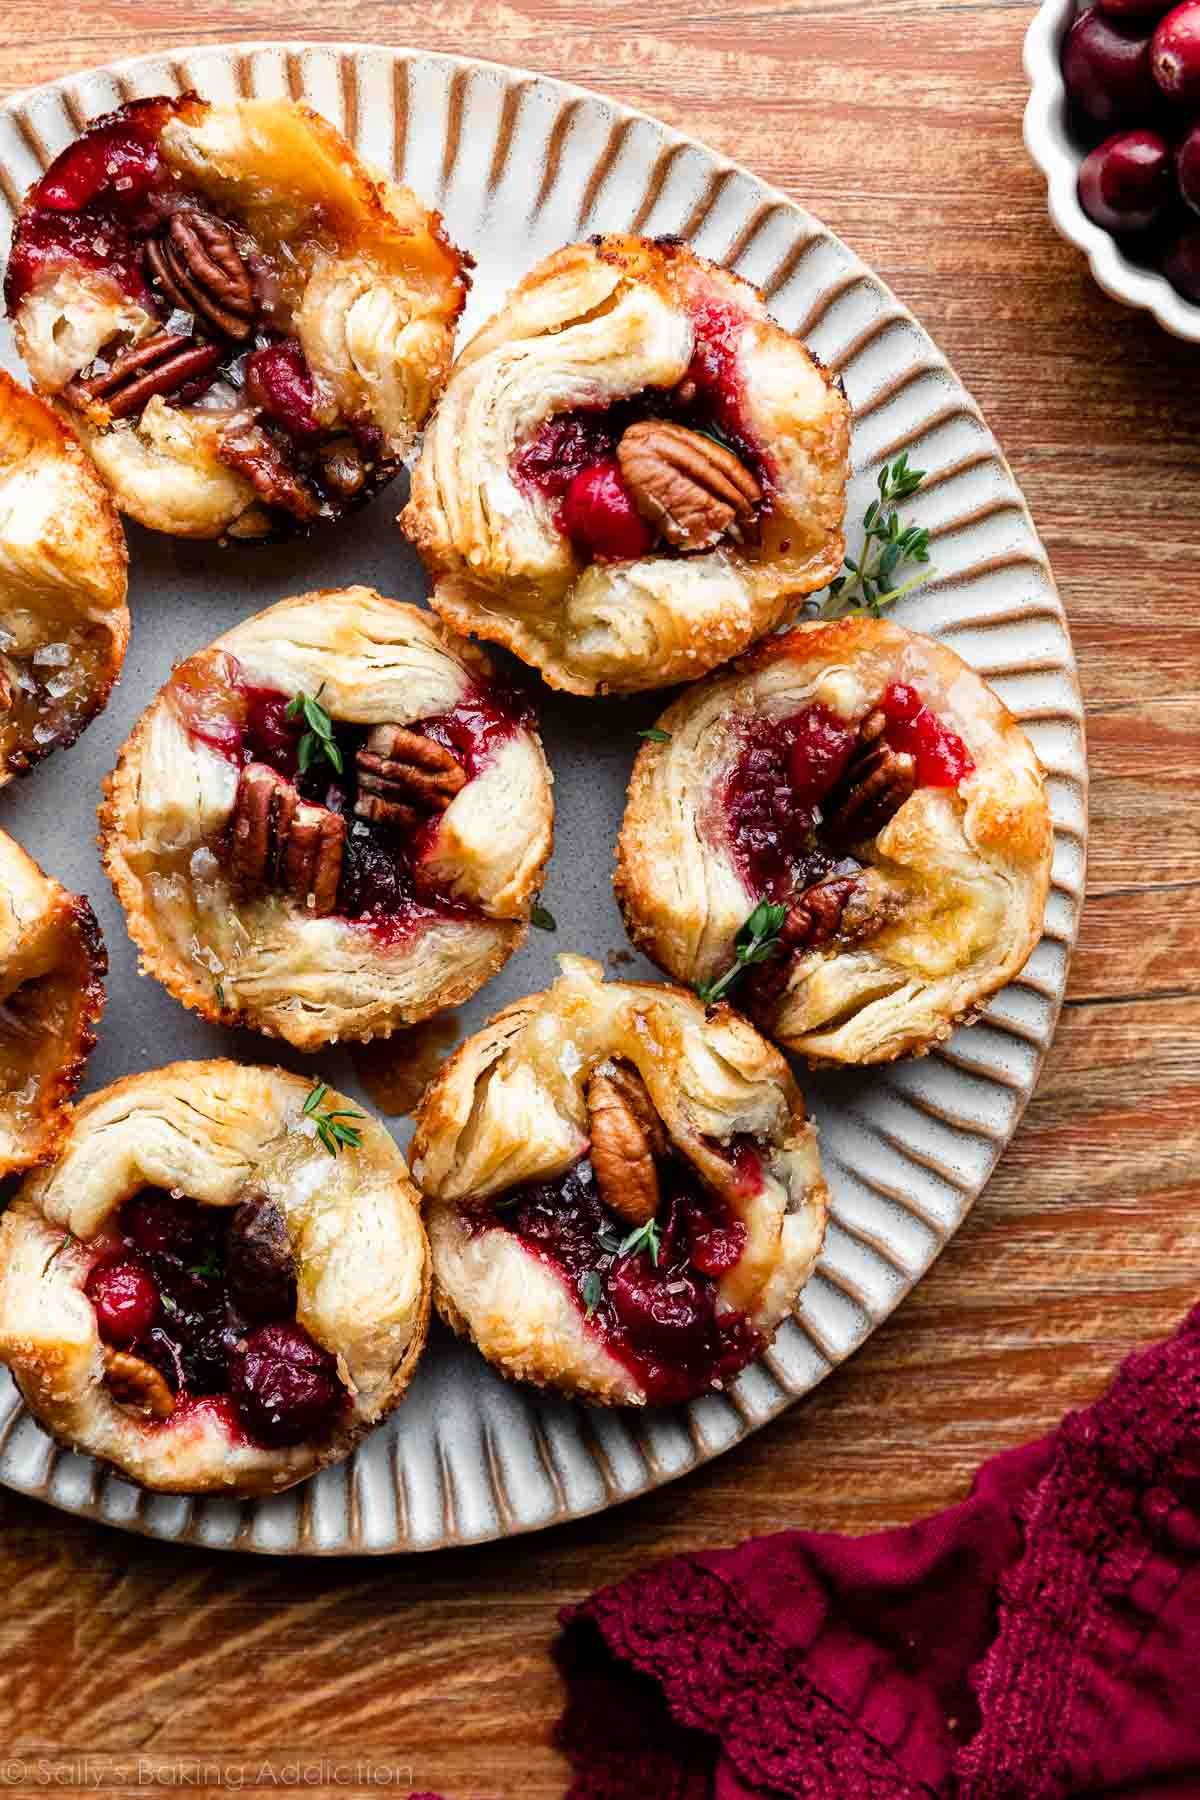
{"x":1175,"y":53}
{"x":599,"y":515}
{"x":285,"y":1386}
{"x":668,"y":1318}
{"x":279,"y":381}
{"x":125,"y":1297}
{"x":1181,"y":264}
{"x":1125,"y":183}
{"x":1106,"y":66}
{"x":1187,"y":168}
{"x":1134,"y":9}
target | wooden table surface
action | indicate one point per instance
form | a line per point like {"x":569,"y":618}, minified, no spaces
{"x":898,"y":122}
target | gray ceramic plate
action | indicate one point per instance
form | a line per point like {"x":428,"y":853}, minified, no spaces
{"x":519,"y":165}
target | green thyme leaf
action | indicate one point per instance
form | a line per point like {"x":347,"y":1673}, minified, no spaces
{"x":169,"y":1305}
{"x":653,"y":735}
{"x":757,"y":941}
{"x":591,"y":1292}
{"x":543,"y":918}
{"x":68,"y":1240}
{"x":608,"y":1239}
{"x":318,"y":740}
{"x":644,"y":1237}
{"x":333,"y":1133}
{"x":866,"y":585}
{"x":210,"y":1268}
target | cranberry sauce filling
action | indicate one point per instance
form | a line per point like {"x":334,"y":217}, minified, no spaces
{"x":772,"y":797}
{"x":572,"y":460}
{"x":658,"y":1319}
{"x":110,"y":203}
{"x":383,"y":883}
{"x":164,"y":1290}
{"x":95,"y":204}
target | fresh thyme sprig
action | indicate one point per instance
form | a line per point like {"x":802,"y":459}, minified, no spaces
{"x":654,"y":735}
{"x":318,"y":740}
{"x":542,"y":919}
{"x":643,"y":1237}
{"x":209,"y":1267}
{"x":888,"y":545}
{"x":755,"y":942}
{"x":330,"y":1129}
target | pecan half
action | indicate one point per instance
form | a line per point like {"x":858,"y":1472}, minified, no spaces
{"x":132,"y":1381}
{"x":626,"y":1134}
{"x":693,"y":489}
{"x":161,"y":364}
{"x":277,"y":840}
{"x":197,"y":264}
{"x":876,"y":783}
{"x":815,"y":917}
{"x":403,"y":777}
{"x":255,"y":453}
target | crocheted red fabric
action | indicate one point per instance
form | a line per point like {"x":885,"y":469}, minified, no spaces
{"x":1040,"y":1640}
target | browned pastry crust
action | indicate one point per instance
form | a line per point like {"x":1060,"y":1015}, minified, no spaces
{"x":208,"y":1130}
{"x":515,"y":1104}
{"x":949,"y":898}
{"x":600,"y":323}
{"x":272,"y":231}
{"x":270,"y":952}
{"x":52,"y":968}
{"x":64,"y":622}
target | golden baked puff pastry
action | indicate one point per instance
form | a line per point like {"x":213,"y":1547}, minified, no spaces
{"x":853,"y":807}
{"x":624,"y":1194}
{"x":330,"y":823}
{"x":52,"y":968}
{"x":633,"y":474}
{"x":203,"y":1293}
{"x":64,"y":624}
{"x":246,"y":324}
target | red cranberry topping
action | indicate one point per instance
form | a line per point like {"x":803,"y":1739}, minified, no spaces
{"x":1175,"y":55}
{"x":715,"y":373}
{"x":1106,"y":66}
{"x":117,"y":157}
{"x":126,"y":1301}
{"x":483,"y":720}
{"x":278,"y":380}
{"x":771,"y":795}
{"x":599,"y":516}
{"x":285,"y":1386}
{"x":563,"y":448}
{"x":159,"y":1223}
{"x":942,"y":758}
{"x":1125,"y":182}
{"x":658,"y":1318}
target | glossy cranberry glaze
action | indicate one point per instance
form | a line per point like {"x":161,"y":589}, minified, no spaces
{"x":95,"y":204}
{"x":771,"y":798}
{"x":383,"y":883}
{"x":571,"y":458}
{"x":160,"y":1288}
{"x":659,"y":1320}
{"x":772,"y":794}
{"x":278,"y":379}
{"x":942,"y":758}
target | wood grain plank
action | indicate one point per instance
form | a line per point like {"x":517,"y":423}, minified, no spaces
{"x":1087,"y":1239}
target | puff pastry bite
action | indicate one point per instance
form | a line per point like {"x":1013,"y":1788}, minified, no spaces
{"x":633,"y":474}
{"x":329,"y":823}
{"x":624,"y":1194}
{"x":64,"y":623}
{"x":197,"y":1292}
{"x":52,"y":968}
{"x":247,"y":325}
{"x":864,"y":783}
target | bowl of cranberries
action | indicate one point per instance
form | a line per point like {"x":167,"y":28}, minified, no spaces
{"x":1113,"y":122}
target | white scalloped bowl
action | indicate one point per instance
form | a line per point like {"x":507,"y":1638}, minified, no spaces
{"x":1058,"y":156}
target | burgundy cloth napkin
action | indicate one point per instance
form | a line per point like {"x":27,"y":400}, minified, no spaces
{"x":1040,"y":1640}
